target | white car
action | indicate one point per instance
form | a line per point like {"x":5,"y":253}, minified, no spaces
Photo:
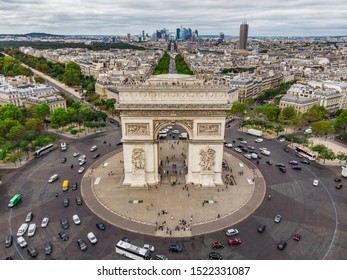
{"x":83,"y":161}
{"x":262,"y":149}
{"x":31,"y":230}
{"x":92,"y":149}
{"x":76,"y":219}
{"x":238,"y":150}
{"x":243,"y":142}
{"x":150,"y":247}
{"x":282,"y":139}
{"x":75,"y":154}
{"x":92,"y":238}
{"x":22,"y":242}
{"x":170,"y":127}
{"x":44,"y":222}
{"x":82,"y":157}
{"x":248,"y":156}
{"x":277,"y":219}
{"x":259,"y":140}
{"x":315,"y":183}
{"x":81,"y":170}
{"x":229,"y":145}
{"x":231,"y":232}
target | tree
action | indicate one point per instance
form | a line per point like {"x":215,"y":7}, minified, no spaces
{"x":35,"y":125}
{"x":316,"y":113}
{"x":59,"y":118}
{"x":341,"y":156}
{"x":237,"y":108}
{"x":323,"y":127}
{"x":341,"y":121}
{"x":72,"y":74}
{"x":10,"y":111}
{"x":288,"y":113}
{"x":42,"y":111}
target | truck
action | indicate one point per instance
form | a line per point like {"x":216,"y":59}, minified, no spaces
{"x":255,"y":132}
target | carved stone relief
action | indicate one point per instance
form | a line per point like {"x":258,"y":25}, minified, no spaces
{"x":137,"y":129}
{"x":209,"y":129}
{"x":138,"y":159}
{"x":207,"y":159}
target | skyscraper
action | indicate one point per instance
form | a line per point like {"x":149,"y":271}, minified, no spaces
{"x":243,"y":35}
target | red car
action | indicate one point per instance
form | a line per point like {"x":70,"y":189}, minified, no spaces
{"x":297,"y":236}
{"x":234,"y":241}
{"x":337,"y":179}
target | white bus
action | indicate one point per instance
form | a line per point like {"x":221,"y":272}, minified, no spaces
{"x":44,"y":150}
{"x":132,"y":252}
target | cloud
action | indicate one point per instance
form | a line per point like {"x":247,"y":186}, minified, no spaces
{"x":106,"y":17}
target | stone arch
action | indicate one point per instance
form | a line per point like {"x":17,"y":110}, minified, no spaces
{"x":187,"y":125}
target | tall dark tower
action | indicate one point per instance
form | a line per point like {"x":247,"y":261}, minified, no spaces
{"x":243,"y":35}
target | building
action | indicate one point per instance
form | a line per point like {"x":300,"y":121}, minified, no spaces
{"x":243,"y":36}
{"x":53,"y":101}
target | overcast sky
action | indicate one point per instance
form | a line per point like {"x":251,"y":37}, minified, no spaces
{"x":119,"y":17}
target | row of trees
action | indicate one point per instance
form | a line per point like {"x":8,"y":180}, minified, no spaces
{"x":12,"y":67}
{"x":181,"y":66}
{"x":163,"y":65}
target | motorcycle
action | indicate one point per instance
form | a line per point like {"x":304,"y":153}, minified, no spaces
{"x":71,"y":166}
{"x":269,"y":197}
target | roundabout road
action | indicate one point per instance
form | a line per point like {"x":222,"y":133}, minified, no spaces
{"x":317,"y":213}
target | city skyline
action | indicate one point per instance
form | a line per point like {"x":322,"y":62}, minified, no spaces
{"x":268,"y":18}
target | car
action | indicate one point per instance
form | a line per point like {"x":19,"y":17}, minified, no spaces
{"x":339,"y":186}
{"x":92,"y":149}
{"x":31,"y":230}
{"x":244,"y":149}
{"x":305,"y":161}
{"x":83,"y":246}
{"x":238,"y":150}
{"x":78,"y":200}
{"x":281,"y":245}
{"x":111,"y":120}
{"x":217,"y":245}
{"x":251,"y":148}
{"x":74,"y":186}
{"x":280,"y":165}
{"x":75,"y":154}
{"x":63,"y":160}
{"x":100,"y":226}
{"x":215,"y":256}
{"x":282,"y":139}
{"x":297,"y":237}
{"x":240,"y":138}
{"x":45,"y":222}
{"x":29,"y":217}
{"x":283,"y":169}
{"x":92,"y":238}
{"x":66,"y":202}
{"x":161,"y":257}
{"x":64,"y":223}
{"x":48,"y":248}
{"x":296,"y":167}
{"x":53,"y":178}
{"x":277,"y":218}
{"x":96,"y":155}
{"x":149,"y":247}
{"x":261,"y":228}
{"x":81,"y":162}
{"x":234,"y":241}
{"x":22,"y":242}
{"x":299,"y":155}
{"x":125,"y":239}
{"x":269,"y":162}
{"x":337,"y":179}
{"x":81,"y":170}
{"x":228,"y":145}
{"x":76,"y":219}
{"x":63,"y":235}
{"x":243,"y":142}
{"x":259,"y":140}
{"x":293,"y":162}
{"x":82,"y":157}
{"x":22,"y":229}
{"x":175,"y":248}
{"x":32,"y":252}
{"x":286,"y":149}
{"x":249,"y":156}
{"x":315,"y":183}
{"x":232,"y":232}
{"x":8,"y":241}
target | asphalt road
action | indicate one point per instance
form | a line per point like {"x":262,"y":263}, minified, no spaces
{"x":317,"y":213}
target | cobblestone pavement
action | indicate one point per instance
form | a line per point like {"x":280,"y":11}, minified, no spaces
{"x":173,"y":209}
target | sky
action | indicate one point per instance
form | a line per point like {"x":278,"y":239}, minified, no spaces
{"x":209,"y":17}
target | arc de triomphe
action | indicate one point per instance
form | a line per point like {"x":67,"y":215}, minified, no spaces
{"x":196,"y":105}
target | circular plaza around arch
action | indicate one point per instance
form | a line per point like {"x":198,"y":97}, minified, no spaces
{"x":173,"y":210}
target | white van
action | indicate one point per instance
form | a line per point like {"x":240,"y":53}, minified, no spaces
{"x":22,"y":242}
{"x":22,"y":229}
{"x":53,"y":178}
{"x":175,"y":131}
{"x":31,"y":230}
{"x":183,"y":135}
{"x":63,"y":146}
{"x":76,"y":219}
{"x":162,"y":135}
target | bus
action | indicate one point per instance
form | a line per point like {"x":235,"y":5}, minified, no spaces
{"x":344,"y":171}
{"x":14,"y":200}
{"x":44,"y":150}
{"x":132,"y":252}
{"x":305,"y":153}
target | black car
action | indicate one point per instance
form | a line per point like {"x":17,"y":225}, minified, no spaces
{"x":125,"y":239}
{"x":175,"y":248}
{"x":63,"y":160}
{"x":74,"y":186}
{"x":305,"y":161}
{"x":280,"y":165}
{"x":286,"y":149}
{"x":261,"y":228}
{"x":48,"y":248}
{"x":9,"y":241}
{"x":64,"y":223}
{"x":240,"y":138}
{"x":78,"y":200}
{"x":111,"y":120}
{"x":281,"y":245}
{"x":215,"y":256}
{"x":296,"y":167}
{"x":96,"y":155}
{"x":100,"y":226}
{"x":83,"y":246}
{"x":63,"y":235}
{"x":337,"y":179}
{"x":32,"y":252}
{"x":339,"y":186}
{"x":66,"y":202}
{"x":269,"y":162}
{"x":283,"y":169}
